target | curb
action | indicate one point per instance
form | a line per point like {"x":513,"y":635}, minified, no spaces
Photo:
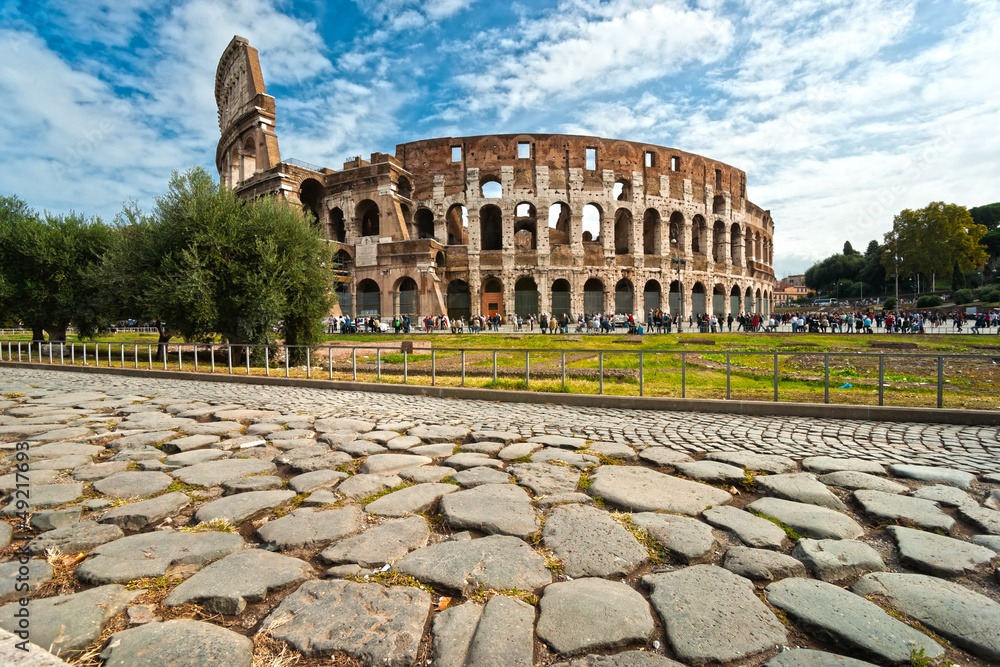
{"x":704,"y":405}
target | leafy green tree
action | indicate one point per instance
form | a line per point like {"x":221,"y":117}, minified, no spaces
{"x":962,"y":297}
{"x":932,"y":239}
{"x":205,"y":262}
{"x":988,"y":216}
{"x":872,"y":272}
{"x":992,"y":243}
{"x":824,"y":275}
{"x":849,"y":249}
{"x":44,"y":263}
{"x":957,"y":277}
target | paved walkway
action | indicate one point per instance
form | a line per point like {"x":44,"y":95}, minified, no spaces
{"x":971,"y":448}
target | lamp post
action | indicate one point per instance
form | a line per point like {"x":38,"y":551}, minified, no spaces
{"x":680,"y":292}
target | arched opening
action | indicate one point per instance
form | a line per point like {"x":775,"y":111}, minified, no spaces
{"x":424,"y":221}
{"x":719,"y":205}
{"x":623,"y":231}
{"x":490,"y":188}
{"x":622,"y":190}
{"x":367,"y":216}
{"x":592,"y":216}
{"x":748,"y":301}
{"x":343,"y":265}
{"x":734,"y":300}
{"x":559,"y":224}
{"x":525,"y":227}
{"x":719,"y":241}
{"x":368,"y":298}
{"x":675,"y":300}
{"x":457,"y":221}
{"x":338,"y":232}
{"x":765,"y":306}
{"x":492,"y":298}
{"x":234,"y":167}
{"x":560,"y":296}
{"x":698,"y":299}
{"x":439,"y":259}
{"x":699,"y":231}
{"x":735,"y":244}
{"x":406,"y":298}
{"x":718,"y":300}
{"x":651,"y":296}
{"x":651,"y":232}
{"x":525,"y":297}
{"x":343,"y":292}
{"x":459,"y":300}
{"x":676,"y":232}
{"x":624,"y":301}
{"x":311,"y":196}
{"x":490,"y":228}
{"x":249,"y":158}
{"x":593,"y":296}
{"x":757,"y":303}
{"x":404,"y":188}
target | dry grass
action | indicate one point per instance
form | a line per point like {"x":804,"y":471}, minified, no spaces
{"x":217,"y":525}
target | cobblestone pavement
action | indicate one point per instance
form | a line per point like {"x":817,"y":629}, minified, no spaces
{"x":971,"y":448}
{"x":192,"y":523}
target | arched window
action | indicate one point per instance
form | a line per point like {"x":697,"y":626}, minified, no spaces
{"x":311,"y":196}
{"x":249,"y":158}
{"x":593,"y":296}
{"x":651,"y":232}
{"x":368,"y":298}
{"x":675,"y":300}
{"x":719,"y":299}
{"x":457,"y":220}
{"x":676,"y":232}
{"x":719,"y":241}
{"x":698,"y":299}
{"x":735,"y":245}
{"x":624,"y":303}
{"x":748,"y":301}
{"x":343,"y":265}
{"x":368,"y":217}
{"x":651,"y":296}
{"x":560,"y":297}
{"x":406,"y":298}
{"x":526,"y":297}
{"x":719,"y":205}
{"x":404,"y":188}
{"x":622,"y":190}
{"x":439,"y":259}
{"x":338,"y":232}
{"x":491,"y":188}
{"x":424,"y":221}
{"x":699,"y":231}
{"x":490,"y":228}
{"x":623,"y":231}
{"x":592,"y":216}
{"x":525,"y":227}
{"x":734,"y":300}
{"x":559,"y":224}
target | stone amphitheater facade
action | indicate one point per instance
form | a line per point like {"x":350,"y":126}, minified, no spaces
{"x":525,"y":223}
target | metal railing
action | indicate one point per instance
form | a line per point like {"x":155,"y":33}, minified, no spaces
{"x":643,"y":371}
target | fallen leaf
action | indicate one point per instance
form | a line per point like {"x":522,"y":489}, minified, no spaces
{"x":443,"y":604}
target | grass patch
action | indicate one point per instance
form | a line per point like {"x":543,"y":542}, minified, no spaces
{"x":522,"y":459}
{"x":484,"y":595}
{"x":749,"y":482}
{"x":14,"y":395}
{"x":375,"y":496}
{"x":642,"y":536}
{"x":585,"y":482}
{"x":789,"y":531}
{"x":155,"y":583}
{"x":391,"y":578}
{"x":217,"y":525}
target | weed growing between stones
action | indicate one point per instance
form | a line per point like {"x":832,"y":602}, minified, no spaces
{"x":133,"y":465}
{"x":351,"y":467}
{"x":14,"y":395}
{"x":375,"y":496}
{"x":522,"y":459}
{"x":749,"y":482}
{"x":602,"y":458}
{"x":155,"y":583}
{"x":553,"y":562}
{"x":484,"y":595}
{"x":391,"y":578}
{"x":599,"y":502}
{"x":449,"y":480}
{"x":217,"y":525}
{"x":789,"y":531}
{"x":655,"y":549}
{"x":585,"y":482}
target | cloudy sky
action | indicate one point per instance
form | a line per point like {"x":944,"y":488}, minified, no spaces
{"x":842,"y":112}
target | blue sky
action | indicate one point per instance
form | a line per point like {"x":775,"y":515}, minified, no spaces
{"x":842,"y":113}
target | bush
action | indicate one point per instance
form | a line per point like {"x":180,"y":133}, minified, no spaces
{"x":962,"y":296}
{"x":989,"y":296}
{"x":890,"y":303}
{"x":929,"y":301}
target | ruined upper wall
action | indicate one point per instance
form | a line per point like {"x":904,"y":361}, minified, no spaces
{"x":238,"y":83}
{"x":561,"y":153}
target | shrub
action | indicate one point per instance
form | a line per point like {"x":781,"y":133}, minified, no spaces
{"x":929,"y":301}
{"x":962,"y":296}
{"x":990,"y":296}
{"x":890,"y":303}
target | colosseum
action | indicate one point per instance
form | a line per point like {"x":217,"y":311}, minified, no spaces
{"x":512,"y":223}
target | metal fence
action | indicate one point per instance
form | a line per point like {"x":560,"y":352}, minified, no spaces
{"x":646,"y":372}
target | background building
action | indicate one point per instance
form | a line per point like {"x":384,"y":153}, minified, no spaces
{"x":524,"y":223}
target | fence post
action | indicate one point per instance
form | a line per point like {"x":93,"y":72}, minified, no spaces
{"x":354,"y":363}
{"x":562,"y":354}
{"x":881,"y":377}
{"x":640,"y":374}
{"x":247,"y":352}
{"x":50,"y":352}
{"x":149,"y":355}
{"x":826,"y":378}
{"x":62,"y":353}
{"x":229,"y":357}
{"x":84,"y":353}
{"x":600,"y":372}
{"x":776,"y":377}
{"x":406,"y":372}
{"x":378,"y":363}
{"x":494,"y":369}
{"x":267,"y":361}
{"x":211,"y":353}
{"x":729,"y":368}
{"x":195,"y":346}
{"x":180,"y":357}
{"x":463,"y":368}
{"x":433,"y":368}
{"x":329,"y":359}
{"x":527,"y":369}
{"x":285,"y":348}
{"x":308,"y":364}
{"x":940,"y":383}
{"x":135,"y":355}
{"x":683,"y":375}
{"x":72,"y":353}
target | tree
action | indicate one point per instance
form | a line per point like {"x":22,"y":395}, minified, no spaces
{"x":45,"y":262}
{"x":824,"y":275}
{"x":204,"y":262}
{"x":932,"y":240}
{"x":957,"y":278}
{"x":873,"y":273}
{"x":849,"y":249}
{"x":988,"y":216}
